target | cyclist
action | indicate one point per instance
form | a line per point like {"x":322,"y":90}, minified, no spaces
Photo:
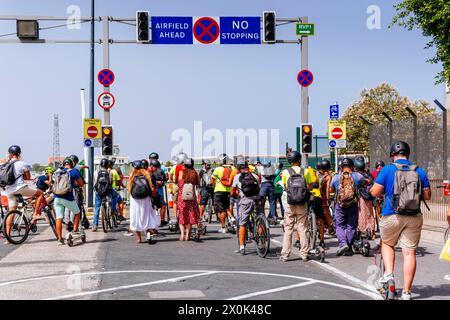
{"x":45,"y":183}
{"x":378,"y":166}
{"x":246,"y":188}
{"x":117,"y":200}
{"x":325,"y":181}
{"x":378,"y":201}
{"x":222,"y":179}
{"x":173,"y":177}
{"x":79,"y":196}
{"x":207,"y":189}
{"x":295,"y":184}
{"x":399,"y":223}
{"x":21,"y":173}
{"x":267,"y":173}
{"x":161,"y":178}
{"x":102,"y":187}
{"x":366,"y":222}
{"x":67,"y":200}
{"x":345,"y":185}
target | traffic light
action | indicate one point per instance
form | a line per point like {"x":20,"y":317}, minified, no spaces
{"x":142,"y":29}
{"x":107,"y":141}
{"x":306,"y":138}
{"x":27,"y":29}
{"x":269,"y":27}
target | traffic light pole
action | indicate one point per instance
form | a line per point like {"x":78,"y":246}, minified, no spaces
{"x":90,"y":152}
{"x":105,"y":45}
{"x":305,"y":97}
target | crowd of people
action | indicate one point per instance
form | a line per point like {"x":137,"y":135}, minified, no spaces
{"x":347,"y":203}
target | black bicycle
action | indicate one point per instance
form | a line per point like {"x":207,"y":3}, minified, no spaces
{"x":17,"y":223}
{"x":258,"y":231}
{"x":79,"y":197}
{"x":106,"y":214}
{"x":313,"y":232}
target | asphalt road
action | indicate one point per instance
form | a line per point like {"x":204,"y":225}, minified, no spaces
{"x":113,"y":266}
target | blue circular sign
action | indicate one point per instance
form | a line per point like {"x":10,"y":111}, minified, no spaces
{"x":332,"y":144}
{"x":87,"y":142}
{"x":305,"y":78}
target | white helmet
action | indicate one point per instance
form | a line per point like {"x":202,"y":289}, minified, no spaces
{"x":181,"y":157}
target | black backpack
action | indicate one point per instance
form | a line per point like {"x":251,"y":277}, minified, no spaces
{"x":7,"y":176}
{"x":297,"y":190}
{"x":249,"y":185}
{"x":140,"y":189}
{"x":103,"y":185}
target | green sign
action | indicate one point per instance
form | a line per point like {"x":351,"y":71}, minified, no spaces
{"x":305,"y":29}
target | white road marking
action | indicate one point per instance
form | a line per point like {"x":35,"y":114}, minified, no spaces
{"x":88,"y":293}
{"x":260,"y":293}
{"x":372,"y":291}
{"x":187,"y":294}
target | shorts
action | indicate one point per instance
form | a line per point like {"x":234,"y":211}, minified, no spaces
{"x":161,"y":194}
{"x":405,"y":230}
{"x":318,"y":207}
{"x":61,"y":205}
{"x":25,"y":191}
{"x":175,"y":190}
{"x":221,"y":201}
{"x":245,"y":206}
{"x":205,"y":195}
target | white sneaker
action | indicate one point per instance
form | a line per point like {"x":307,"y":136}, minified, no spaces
{"x":386,"y":278}
{"x":405,"y":296}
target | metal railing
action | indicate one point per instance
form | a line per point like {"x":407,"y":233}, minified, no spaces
{"x":438,"y":205}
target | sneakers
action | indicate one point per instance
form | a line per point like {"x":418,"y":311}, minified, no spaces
{"x":304,"y":259}
{"x":94,"y":228}
{"x":342,"y":251}
{"x":222,"y":230}
{"x":405,"y":295}
{"x":242,"y":251}
{"x":61,"y":242}
{"x":128,"y":233}
{"x":386,"y":278}
{"x":283,"y":259}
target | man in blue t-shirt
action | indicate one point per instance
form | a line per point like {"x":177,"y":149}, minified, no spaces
{"x":68,"y":201}
{"x":346,"y":209}
{"x":395,"y":227}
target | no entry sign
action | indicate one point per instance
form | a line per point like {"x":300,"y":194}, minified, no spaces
{"x":305,"y":78}
{"x":337,"y":133}
{"x":106,"y":100}
{"x":106,"y":77}
{"x":337,"y":130}
{"x":206,"y":30}
{"x":92,"y":132}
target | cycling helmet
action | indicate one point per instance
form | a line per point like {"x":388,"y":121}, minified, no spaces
{"x":49,"y":170}
{"x":207,"y":162}
{"x":144,"y":163}
{"x":379,"y":163}
{"x":223,"y":159}
{"x":293,"y":157}
{"x":360,"y":164}
{"x":68,"y":161}
{"x":181,"y":157}
{"x":241,"y":163}
{"x":153,"y":155}
{"x":325,"y":164}
{"x":104,"y":163}
{"x":400,"y":147}
{"x":137,"y":164}
{"x":155,"y":163}
{"x":189,"y":163}
{"x":74,"y":159}
{"x":347,"y":162}
{"x":15,"y":150}
{"x":318,"y":166}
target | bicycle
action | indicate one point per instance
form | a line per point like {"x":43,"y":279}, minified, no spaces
{"x":79,"y":196}
{"x":20,"y":223}
{"x":258,"y":231}
{"x":106,"y":214}
{"x":313,"y":233}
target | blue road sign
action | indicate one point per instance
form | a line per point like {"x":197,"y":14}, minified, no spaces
{"x":87,"y":142}
{"x":172,"y":30}
{"x":334,"y":111}
{"x":305,"y":78}
{"x":240,"y":30}
{"x":332,"y":144}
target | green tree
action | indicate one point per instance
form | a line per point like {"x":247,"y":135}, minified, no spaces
{"x":371,"y":104}
{"x":433,"y":18}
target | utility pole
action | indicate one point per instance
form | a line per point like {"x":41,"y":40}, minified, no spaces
{"x":90,"y":160}
{"x":105,"y":46}
{"x":305,"y":97}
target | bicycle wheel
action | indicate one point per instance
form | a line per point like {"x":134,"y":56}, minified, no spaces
{"x":312,"y":230}
{"x":19,"y":227}
{"x":262,"y":236}
{"x":447,"y":235}
{"x":51,"y":221}
{"x":104,"y":214}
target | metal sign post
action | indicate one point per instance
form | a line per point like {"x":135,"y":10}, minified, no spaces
{"x":305,"y":98}
{"x":105,"y":45}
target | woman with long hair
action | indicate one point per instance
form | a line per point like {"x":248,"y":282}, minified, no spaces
{"x":143,"y":217}
{"x":188,"y":209}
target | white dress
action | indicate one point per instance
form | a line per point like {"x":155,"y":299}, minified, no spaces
{"x":142,"y":215}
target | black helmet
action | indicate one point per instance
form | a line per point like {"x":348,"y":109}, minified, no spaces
{"x":325,"y":164}
{"x":360,"y":163}
{"x":400,"y":147}
{"x":155,"y":163}
{"x":223,"y":159}
{"x":318,"y":166}
{"x":294,"y":156}
{"x":379,"y":163}
{"x":347,"y":162}
{"x":153,"y":155}
{"x":189,"y":163}
{"x":241,"y":163}
{"x":74,"y":159}
{"x":104,"y":163}
{"x":144,"y":163}
{"x":137,"y":164}
{"x":68,"y":161}
{"x":207,"y":162}
{"x":15,"y":150}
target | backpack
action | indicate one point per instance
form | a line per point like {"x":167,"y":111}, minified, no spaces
{"x":297,"y":190}
{"x":159,"y":175}
{"x":347,"y":195}
{"x":249,"y":185}
{"x":365,"y":190}
{"x":188,"y":193}
{"x":7,"y":176}
{"x":268,"y":172}
{"x":206,"y":177}
{"x":40,"y":183}
{"x":103,"y":185}
{"x":63,"y":183}
{"x":140,"y":189}
{"x":407,"y":190}
{"x":227,"y":177}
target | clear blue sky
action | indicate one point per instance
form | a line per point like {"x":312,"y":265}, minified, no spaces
{"x":224,"y":86}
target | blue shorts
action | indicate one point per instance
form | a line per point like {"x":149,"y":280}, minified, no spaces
{"x":161,"y":193}
{"x":61,"y":205}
